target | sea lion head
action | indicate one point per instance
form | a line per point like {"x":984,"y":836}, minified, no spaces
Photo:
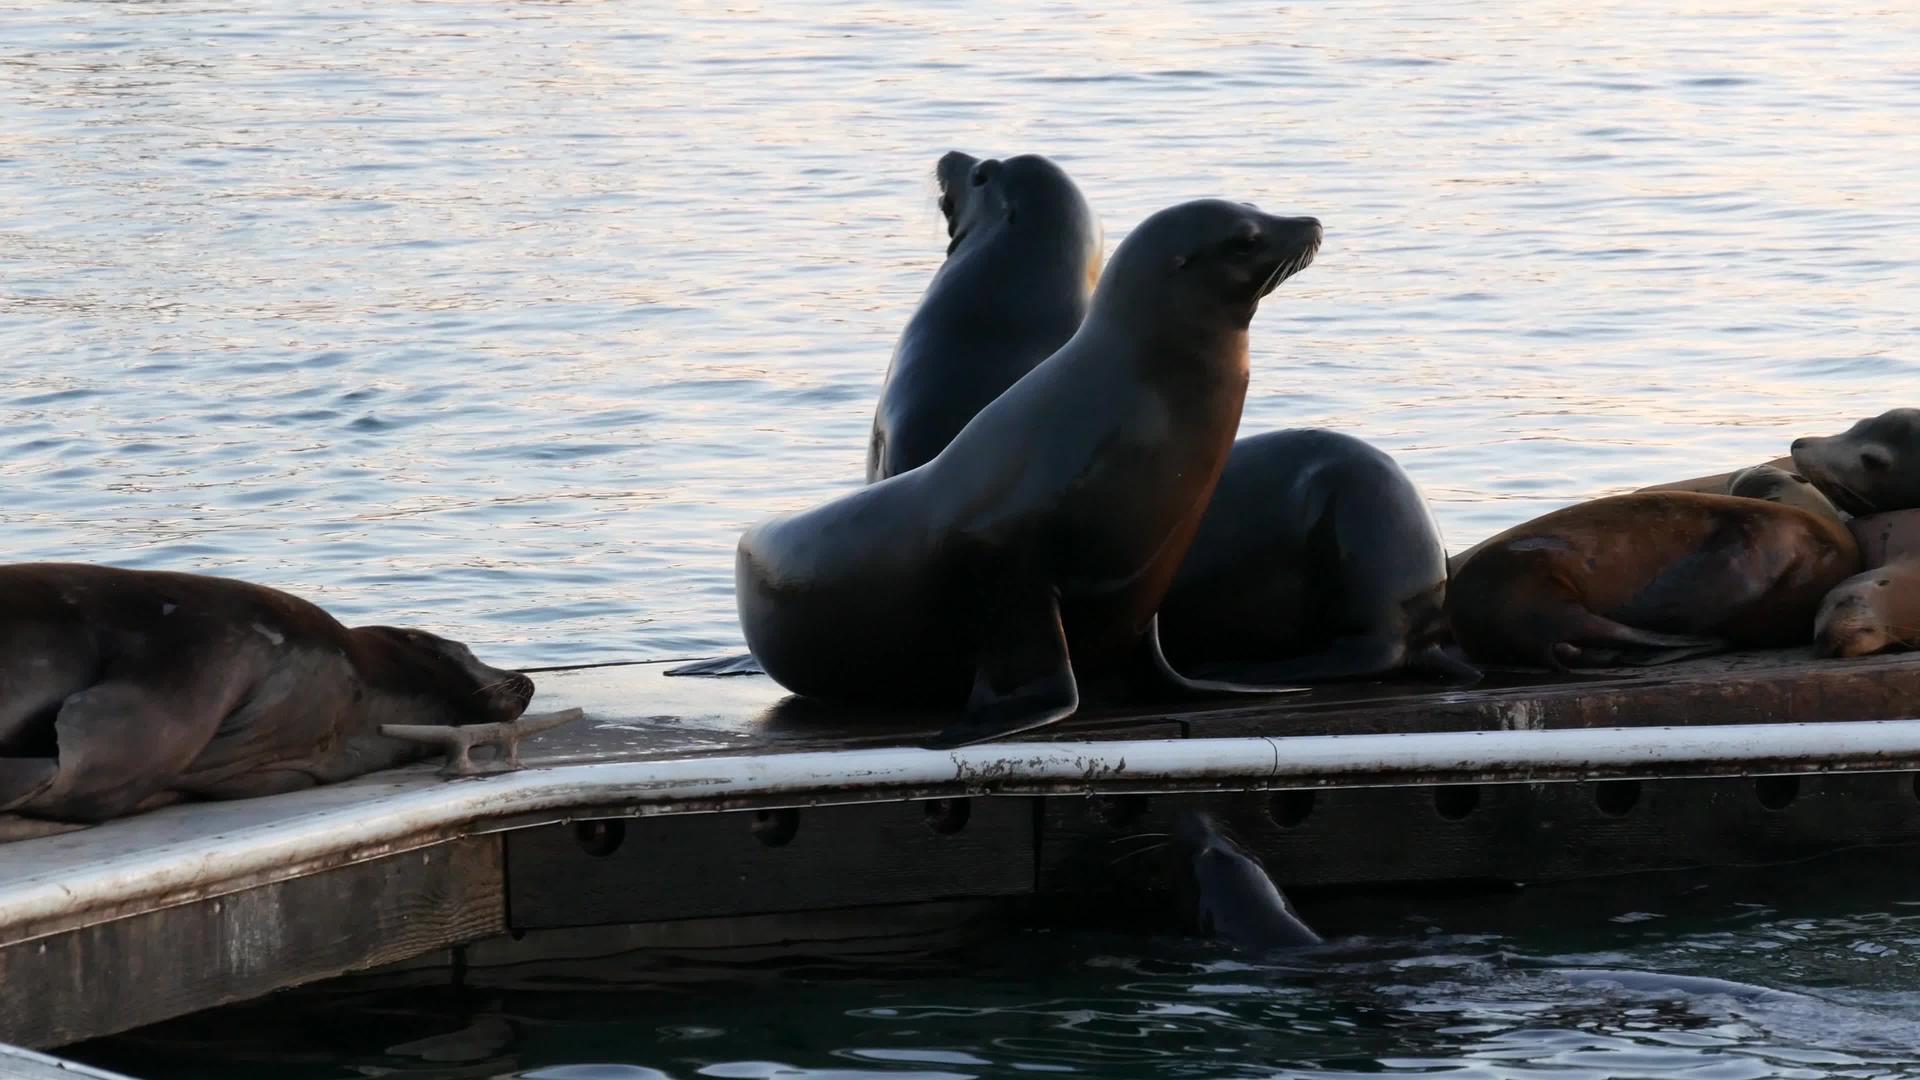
{"x":1850,"y":622}
{"x":1873,"y":466}
{"x":1780,"y":486}
{"x":417,"y":665}
{"x":983,"y":198}
{"x":1209,"y":259}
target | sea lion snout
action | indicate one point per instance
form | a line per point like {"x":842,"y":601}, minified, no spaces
{"x":512,"y":694}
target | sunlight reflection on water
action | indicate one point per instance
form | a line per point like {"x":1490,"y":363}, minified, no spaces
{"x":505,"y":320}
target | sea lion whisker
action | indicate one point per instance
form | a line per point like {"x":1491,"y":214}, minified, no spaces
{"x":1131,"y":837}
{"x":1137,"y":852}
{"x":489,"y":687}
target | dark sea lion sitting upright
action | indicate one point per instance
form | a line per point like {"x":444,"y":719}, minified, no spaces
{"x":124,"y":687}
{"x":1317,"y":559}
{"x":1037,"y":546}
{"x":1648,"y":577}
{"x":1225,"y":892}
{"x":1872,"y":467}
{"x":1019,"y":273}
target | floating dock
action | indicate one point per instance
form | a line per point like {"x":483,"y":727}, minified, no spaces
{"x":687,"y":810}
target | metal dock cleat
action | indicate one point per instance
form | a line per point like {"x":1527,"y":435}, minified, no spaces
{"x":460,"y":742}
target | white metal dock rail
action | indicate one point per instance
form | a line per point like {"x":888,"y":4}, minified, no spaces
{"x":201,"y":904}
{"x":143,"y":864}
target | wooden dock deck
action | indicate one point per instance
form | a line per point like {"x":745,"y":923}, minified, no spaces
{"x":679,"y":802}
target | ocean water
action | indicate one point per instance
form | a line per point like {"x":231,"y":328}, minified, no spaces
{"x":503,"y":319}
{"x":1802,"y":974}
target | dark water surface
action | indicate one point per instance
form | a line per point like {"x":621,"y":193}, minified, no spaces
{"x":1805,"y":972}
{"x":504,"y":318}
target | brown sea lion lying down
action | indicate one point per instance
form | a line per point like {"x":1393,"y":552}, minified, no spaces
{"x":120,"y":688}
{"x":1874,"y":612}
{"x":1646,"y":578}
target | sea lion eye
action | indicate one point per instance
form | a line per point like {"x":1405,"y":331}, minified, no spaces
{"x":1247,"y":241}
{"x":1873,"y":462}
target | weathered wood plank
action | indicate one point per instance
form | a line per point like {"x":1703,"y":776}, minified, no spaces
{"x":138,"y":970}
{"x":754,"y":862}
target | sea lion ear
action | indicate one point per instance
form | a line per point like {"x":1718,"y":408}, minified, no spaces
{"x":1179,"y":262}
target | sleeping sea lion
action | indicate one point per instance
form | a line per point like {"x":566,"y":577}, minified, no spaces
{"x":1037,"y":546}
{"x":1872,"y":467}
{"x":1646,"y":578}
{"x":1020,"y":268}
{"x":1777,"y":485}
{"x":123,"y":687}
{"x":1874,"y":612}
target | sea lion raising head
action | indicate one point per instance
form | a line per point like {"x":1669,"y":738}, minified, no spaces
{"x":1872,"y":467}
{"x":1053,"y":523}
{"x":1023,"y":252}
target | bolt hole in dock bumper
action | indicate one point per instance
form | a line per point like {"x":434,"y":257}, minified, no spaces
{"x":222,"y":902}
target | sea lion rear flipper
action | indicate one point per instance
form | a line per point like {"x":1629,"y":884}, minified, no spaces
{"x":1023,"y":677}
{"x":1354,"y":657}
{"x":1157,"y":679}
{"x":715,"y":667}
{"x":1591,"y":640}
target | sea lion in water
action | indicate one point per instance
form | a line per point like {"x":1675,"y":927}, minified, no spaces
{"x":1874,"y":612}
{"x":124,"y":687}
{"x":1646,"y":578}
{"x":1037,"y":546}
{"x":1225,"y":892}
{"x":1317,"y":559}
{"x":1872,"y":467}
{"x":1020,"y":268}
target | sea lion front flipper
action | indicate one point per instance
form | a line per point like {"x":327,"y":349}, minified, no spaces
{"x":22,"y":778}
{"x":1707,"y":588}
{"x":715,"y":667}
{"x":125,"y":741}
{"x":1023,"y":677}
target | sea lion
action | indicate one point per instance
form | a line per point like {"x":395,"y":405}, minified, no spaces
{"x":1872,"y":467}
{"x":1717,"y":483}
{"x":1317,"y":559}
{"x":1020,"y":268}
{"x":1053,"y":523}
{"x":1226,"y":894}
{"x":1646,"y":578}
{"x":1777,"y":485}
{"x":124,"y":687}
{"x":1874,"y":612}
